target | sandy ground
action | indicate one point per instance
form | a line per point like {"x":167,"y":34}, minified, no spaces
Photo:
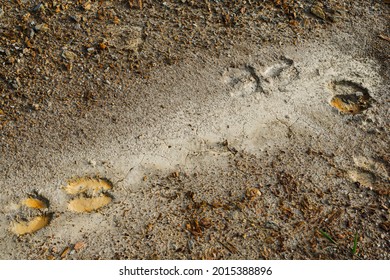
{"x":264,"y":150}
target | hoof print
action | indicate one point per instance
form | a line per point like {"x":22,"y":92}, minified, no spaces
{"x":82,"y":185}
{"x":91,"y":194}
{"x":34,"y":203}
{"x":371,"y":173}
{"x":278,"y":76}
{"x":85,"y":204}
{"x":278,"y":68}
{"x":242,"y":81}
{"x":27,"y":227}
{"x":365,"y":179}
{"x":32,"y":217}
{"x":349,"y":98}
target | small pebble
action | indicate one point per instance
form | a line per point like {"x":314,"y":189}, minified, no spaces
{"x":318,"y":11}
{"x":43,"y":27}
{"x":38,"y":7}
{"x":76,"y":18}
{"x":68,"y":55}
{"x":36,"y":107}
{"x":16,"y":83}
{"x":87,"y":6}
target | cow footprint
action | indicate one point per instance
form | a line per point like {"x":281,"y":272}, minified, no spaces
{"x":276,"y":69}
{"x":243,"y":81}
{"x":349,"y":98}
{"x":90,"y":194}
{"x":370,"y":173}
{"x":279,"y":75}
{"x":32,"y":216}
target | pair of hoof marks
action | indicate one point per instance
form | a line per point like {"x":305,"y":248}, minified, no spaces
{"x":90,"y":192}
{"x":89,"y":195}
{"x":42,"y":218}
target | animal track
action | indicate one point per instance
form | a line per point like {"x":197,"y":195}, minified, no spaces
{"x":33,"y":212}
{"x":279,"y":75}
{"x":32,"y":216}
{"x":246,"y":80}
{"x":31,"y":226}
{"x":82,"y":185}
{"x":349,"y":97}
{"x":277,"y":69}
{"x":370,"y":173}
{"x":364,"y":178}
{"x":85,"y":204}
{"x":34,"y":203}
{"x":243,"y":81}
{"x":91,"y":193}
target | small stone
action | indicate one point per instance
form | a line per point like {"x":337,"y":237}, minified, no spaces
{"x":69,"y":55}
{"x":87,"y":6}
{"x":318,"y":11}
{"x":103,"y":46}
{"x":32,"y":33}
{"x":79,"y":245}
{"x":39,"y":7}
{"x":43,"y":27}
{"x":16,"y":83}
{"x":76,"y":18}
{"x":116,"y":20}
{"x":35,"y":106}
{"x":26,"y":16}
{"x":92,"y":163}
{"x":252,"y":193}
{"x":11,"y":60}
{"x":1,"y":12}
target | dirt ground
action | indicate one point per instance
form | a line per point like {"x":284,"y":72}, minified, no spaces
{"x":225,"y":129}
